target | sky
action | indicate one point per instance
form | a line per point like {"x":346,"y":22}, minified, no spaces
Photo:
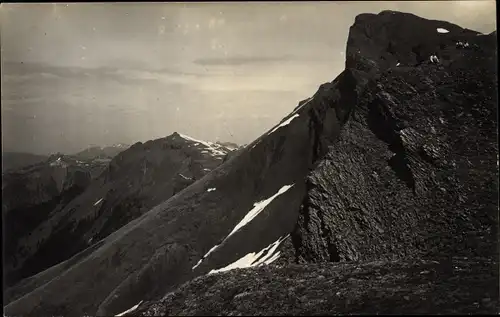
{"x":81,"y":74}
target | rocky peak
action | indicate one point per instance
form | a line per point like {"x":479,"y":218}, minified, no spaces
{"x":377,"y":42}
{"x":395,"y":174}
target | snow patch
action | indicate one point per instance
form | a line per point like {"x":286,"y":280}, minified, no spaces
{"x":95,"y":204}
{"x":214,"y":148}
{"x":211,"y":189}
{"x":441,"y":30}
{"x":130,"y":309}
{"x":186,"y":178}
{"x":208,"y":144}
{"x":266,"y":256}
{"x":256,"y":210}
{"x":197,"y":264}
{"x":207,"y":169}
{"x":286,"y":122}
{"x":305,"y":103}
{"x":398,"y":64}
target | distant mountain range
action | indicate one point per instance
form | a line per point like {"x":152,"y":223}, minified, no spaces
{"x":82,"y":198}
{"x":15,"y":160}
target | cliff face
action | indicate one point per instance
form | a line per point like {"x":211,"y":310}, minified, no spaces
{"x":16,"y":160}
{"x":414,"y":171}
{"x":390,"y":169}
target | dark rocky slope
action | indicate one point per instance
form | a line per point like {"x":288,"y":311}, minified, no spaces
{"x":135,"y":181}
{"x":390,"y":162}
{"x":468,"y":286}
{"x":31,"y":194}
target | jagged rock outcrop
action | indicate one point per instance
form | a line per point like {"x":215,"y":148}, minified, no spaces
{"x":392,"y":161}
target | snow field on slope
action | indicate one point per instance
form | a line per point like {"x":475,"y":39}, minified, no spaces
{"x":213,"y":148}
{"x":254,"y":212}
{"x":265,"y":256}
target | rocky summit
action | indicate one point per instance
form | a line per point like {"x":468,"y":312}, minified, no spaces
{"x":377,"y":195}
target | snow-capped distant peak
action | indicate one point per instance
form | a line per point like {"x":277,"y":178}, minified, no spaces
{"x":441,"y":30}
{"x":208,"y":144}
{"x":303,"y":105}
{"x":293,"y":115}
{"x":211,"y":148}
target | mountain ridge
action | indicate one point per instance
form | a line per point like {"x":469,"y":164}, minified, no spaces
{"x":124,"y":187}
